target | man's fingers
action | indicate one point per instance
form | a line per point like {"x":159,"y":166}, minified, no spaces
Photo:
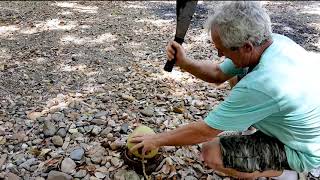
{"x":136,"y":147}
{"x":175,"y":45}
{"x":170,"y":52}
{"x":136,"y":139}
{"x":138,"y":135}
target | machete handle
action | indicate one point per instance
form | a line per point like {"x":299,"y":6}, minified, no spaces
{"x":169,"y":64}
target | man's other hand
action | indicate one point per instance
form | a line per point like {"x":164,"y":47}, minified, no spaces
{"x":145,"y":142}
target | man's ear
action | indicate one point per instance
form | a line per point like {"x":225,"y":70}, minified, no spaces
{"x":248,"y":47}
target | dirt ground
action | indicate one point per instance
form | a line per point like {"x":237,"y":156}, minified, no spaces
{"x":95,"y":70}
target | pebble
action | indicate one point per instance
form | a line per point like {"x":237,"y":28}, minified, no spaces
{"x":77,"y":154}
{"x":62,"y":132}
{"x":101,"y":114}
{"x":124,"y":174}
{"x":57,"y":116}
{"x":88,"y":128}
{"x":19,"y":159}
{"x":99,"y":122}
{"x":57,"y":140}
{"x":116,"y":145}
{"x":81,"y":130}
{"x":96,"y":159}
{"x":105,"y":132}
{"x":148,"y":111}
{"x":124,"y":128}
{"x":27,"y":165}
{"x":80,"y":174}
{"x":12,"y":176}
{"x":3,"y":159}
{"x":2,"y":131}
{"x":109,"y":135}
{"x":37,"y":141}
{"x":96,"y":130}
{"x":24,"y":146}
{"x":49,"y":128}
{"x":103,"y":169}
{"x":100,"y":175}
{"x":40,"y":178}
{"x":124,"y":116}
{"x":56,"y":175}
{"x":190,"y":178}
{"x":112,"y":123}
{"x":3,"y":140}
{"x":34,"y":115}
{"x":101,"y":80}
{"x":178,"y":109}
{"x":115,"y":161}
{"x":73,"y":130}
{"x":68,"y":166}
{"x":127,"y":97}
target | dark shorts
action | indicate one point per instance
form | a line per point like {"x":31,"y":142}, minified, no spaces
{"x":256,"y":152}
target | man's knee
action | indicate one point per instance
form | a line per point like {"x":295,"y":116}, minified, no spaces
{"x":211,"y":154}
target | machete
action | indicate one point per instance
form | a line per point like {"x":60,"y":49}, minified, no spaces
{"x":184,"y":12}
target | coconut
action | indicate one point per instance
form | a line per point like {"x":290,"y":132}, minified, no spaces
{"x":141,"y":130}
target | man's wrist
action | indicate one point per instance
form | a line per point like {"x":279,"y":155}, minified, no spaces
{"x":158,"y":140}
{"x":186,"y":65}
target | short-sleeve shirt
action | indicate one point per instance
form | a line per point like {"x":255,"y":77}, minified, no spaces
{"x":281,"y":98}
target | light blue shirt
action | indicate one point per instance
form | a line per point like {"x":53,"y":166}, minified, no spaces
{"x":281,"y":98}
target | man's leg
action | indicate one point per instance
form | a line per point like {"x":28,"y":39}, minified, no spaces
{"x":211,"y":154}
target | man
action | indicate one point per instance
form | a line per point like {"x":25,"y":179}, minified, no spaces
{"x":278,"y":96}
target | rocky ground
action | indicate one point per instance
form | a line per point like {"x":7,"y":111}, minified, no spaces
{"x":78,"y":77}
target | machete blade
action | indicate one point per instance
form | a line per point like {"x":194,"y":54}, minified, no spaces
{"x":184,"y":11}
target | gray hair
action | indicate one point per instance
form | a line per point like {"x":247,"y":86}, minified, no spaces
{"x":239,"y":22}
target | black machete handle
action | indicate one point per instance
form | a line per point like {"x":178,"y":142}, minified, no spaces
{"x":169,"y":64}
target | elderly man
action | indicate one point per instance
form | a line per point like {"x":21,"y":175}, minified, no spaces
{"x":278,"y":94}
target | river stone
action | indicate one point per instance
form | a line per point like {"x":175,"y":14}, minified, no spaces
{"x":68,"y":166}
{"x":81,"y":173}
{"x":105,"y":132}
{"x":148,"y":111}
{"x":99,"y":121}
{"x":190,"y":178}
{"x":62,"y":132}
{"x":115,"y":161}
{"x":96,"y":130}
{"x":57,"y":140}
{"x":112,"y":123}
{"x":77,"y":154}
{"x":56,"y":175}
{"x":49,"y":128}
{"x":124,"y":128}
{"x":99,"y":175}
{"x":27,"y":165}
{"x":96,"y":159}
{"x":100,"y":114}
{"x":117,"y":144}
{"x":12,"y":176}
{"x":57,"y":116}
{"x":88,"y":128}
{"x":124,"y":174}
{"x":39,"y":178}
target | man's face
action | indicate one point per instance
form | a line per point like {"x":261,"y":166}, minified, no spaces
{"x":239,"y":56}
